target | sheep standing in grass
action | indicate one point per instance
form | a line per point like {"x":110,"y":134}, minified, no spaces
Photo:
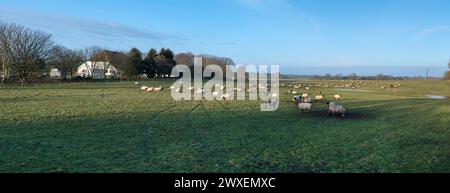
{"x":158,"y":89}
{"x":296,"y":99}
{"x":305,"y":95}
{"x":337,"y":97}
{"x":335,"y":109}
{"x":305,"y":107}
{"x":306,"y":100}
{"x":150,"y":89}
{"x":144,"y":88}
{"x":319,"y":98}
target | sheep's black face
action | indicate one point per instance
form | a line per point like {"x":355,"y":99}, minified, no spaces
{"x":328,"y":103}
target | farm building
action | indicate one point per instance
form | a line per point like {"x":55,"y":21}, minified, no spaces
{"x":98,"y":70}
{"x":55,"y":72}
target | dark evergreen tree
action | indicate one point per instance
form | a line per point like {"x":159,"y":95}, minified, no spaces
{"x":150,"y":63}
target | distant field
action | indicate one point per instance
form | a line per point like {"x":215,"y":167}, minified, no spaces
{"x":111,"y":127}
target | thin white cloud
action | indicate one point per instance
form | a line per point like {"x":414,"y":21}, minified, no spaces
{"x":84,"y":32}
{"x":429,"y":31}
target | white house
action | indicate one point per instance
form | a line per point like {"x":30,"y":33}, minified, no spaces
{"x":95,"y":70}
{"x":55,"y":72}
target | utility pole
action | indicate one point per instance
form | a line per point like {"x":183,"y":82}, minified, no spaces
{"x":428,"y":73}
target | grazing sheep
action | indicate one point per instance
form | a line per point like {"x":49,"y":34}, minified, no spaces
{"x":337,"y":97}
{"x":294,"y":92}
{"x":335,"y":109}
{"x":306,"y":100}
{"x":191,"y":88}
{"x":319,"y":98}
{"x":215,"y":94}
{"x":150,"y":89}
{"x":172,"y":87}
{"x":305,"y":107}
{"x":144,"y":88}
{"x":296,"y":99}
{"x":137,"y":83}
{"x":305,"y":95}
{"x":158,"y":89}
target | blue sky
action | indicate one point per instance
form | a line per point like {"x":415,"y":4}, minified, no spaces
{"x":300,"y":35}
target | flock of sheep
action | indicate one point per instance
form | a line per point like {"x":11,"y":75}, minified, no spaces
{"x":202,"y":91}
{"x":303,"y":101}
{"x":345,"y":84}
{"x":151,"y":89}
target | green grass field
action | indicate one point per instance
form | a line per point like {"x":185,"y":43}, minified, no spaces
{"x":111,"y":127}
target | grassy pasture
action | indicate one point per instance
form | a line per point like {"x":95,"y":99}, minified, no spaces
{"x":111,"y":127}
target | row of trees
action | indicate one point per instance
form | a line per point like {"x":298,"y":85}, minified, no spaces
{"x":132,"y":64}
{"x":354,"y":76}
{"x":26,"y":54}
{"x":188,"y":59}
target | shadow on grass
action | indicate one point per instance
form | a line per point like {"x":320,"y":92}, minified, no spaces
{"x":112,"y":142}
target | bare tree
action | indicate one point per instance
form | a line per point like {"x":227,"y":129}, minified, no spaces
{"x":116,"y":59}
{"x":32,"y":48}
{"x":220,"y":61}
{"x":447,"y":74}
{"x":101,"y":61}
{"x":66,"y":60}
{"x":89,"y":55}
{"x":23,"y":50}
{"x":185,"y":58}
{"x":7,"y":59}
